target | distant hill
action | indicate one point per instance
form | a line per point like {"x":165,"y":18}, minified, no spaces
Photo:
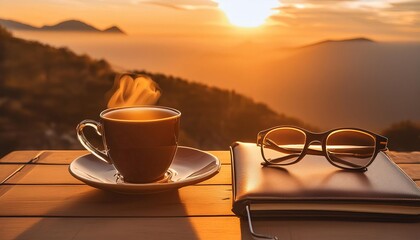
{"x":113,"y":29}
{"x":354,"y":82}
{"x":349,"y":40}
{"x":45,"y":92}
{"x":69,"y":25}
{"x":14,"y":25}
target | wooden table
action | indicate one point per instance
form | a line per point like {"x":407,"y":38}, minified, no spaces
{"x":39,"y":199}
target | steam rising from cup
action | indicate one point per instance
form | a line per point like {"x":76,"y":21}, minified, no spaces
{"x":131,"y":89}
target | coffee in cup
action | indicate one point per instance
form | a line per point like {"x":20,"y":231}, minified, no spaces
{"x":140,"y":141}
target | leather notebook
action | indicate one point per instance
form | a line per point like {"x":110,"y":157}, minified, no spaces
{"x":315,"y":188}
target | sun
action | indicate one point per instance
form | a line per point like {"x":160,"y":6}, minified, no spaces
{"x":248,"y":13}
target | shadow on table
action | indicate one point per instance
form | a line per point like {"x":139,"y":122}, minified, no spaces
{"x":96,"y":214}
{"x":330,"y":230}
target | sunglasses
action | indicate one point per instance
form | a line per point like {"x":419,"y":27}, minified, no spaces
{"x":346,"y":148}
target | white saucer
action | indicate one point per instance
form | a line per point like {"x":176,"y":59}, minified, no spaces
{"x":190,"y":166}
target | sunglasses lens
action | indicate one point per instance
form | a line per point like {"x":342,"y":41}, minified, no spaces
{"x":350,"y":148}
{"x":283,"y":146}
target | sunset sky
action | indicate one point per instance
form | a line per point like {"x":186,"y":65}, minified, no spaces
{"x":384,"y":20}
{"x":257,"y":48}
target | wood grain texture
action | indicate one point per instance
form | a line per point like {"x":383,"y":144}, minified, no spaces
{"x":412,"y":170}
{"x":43,"y":201}
{"x":120,"y":228}
{"x":67,"y":156}
{"x":59,"y":175}
{"x":82,"y":200}
{"x":199,"y":228}
{"x":19,"y":156}
{"x":7,"y":170}
{"x":223,"y":156}
{"x":60,"y":157}
{"x":404,"y":157}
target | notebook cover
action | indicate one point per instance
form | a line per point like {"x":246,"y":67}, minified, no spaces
{"x":314,"y":180}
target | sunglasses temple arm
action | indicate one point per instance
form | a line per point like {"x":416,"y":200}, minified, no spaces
{"x":292,"y":154}
{"x":274,"y":146}
{"x":383,"y":143}
{"x":281,"y":159}
{"x":335,"y":159}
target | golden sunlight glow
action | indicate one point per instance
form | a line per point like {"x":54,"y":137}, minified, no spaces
{"x":248,"y":13}
{"x":300,"y":6}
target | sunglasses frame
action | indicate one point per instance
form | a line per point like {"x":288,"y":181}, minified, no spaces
{"x":311,"y":137}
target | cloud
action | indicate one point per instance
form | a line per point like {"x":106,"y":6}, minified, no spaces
{"x":184,"y":4}
{"x":318,"y":13}
{"x":406,"y":6}
{"x":172,"y":4}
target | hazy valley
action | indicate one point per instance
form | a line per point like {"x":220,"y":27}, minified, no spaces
{"x":356,"y":83}
{"x":45,"y":92}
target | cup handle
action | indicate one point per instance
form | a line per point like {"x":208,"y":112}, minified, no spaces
{"x":82,"y":139}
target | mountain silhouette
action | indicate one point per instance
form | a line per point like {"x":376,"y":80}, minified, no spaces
{"x":353,"y":82}
{"x":14,"y":25}
{"x":68,"y":25}
{"x":349,"y":40}
{"x":113,"y":29}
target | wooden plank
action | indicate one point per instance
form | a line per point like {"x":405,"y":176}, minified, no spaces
{"x":43,"y":157}
{"x":412,"y":170}
{"x":120,"y":228}
{"x":59,"y":174}
{"x":67,"y":156}
{"x":41,"y":176}
{"x":223,"y":156}
{"x":404,"y":157}
{"x":19,"y":156}
{"x":7,"y":170}
{"x":82,"y":200}
{"x":60,"y":157}
{"x":223,"y":177}
{"x":44,"y":174}
{"x":199,"y":228}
